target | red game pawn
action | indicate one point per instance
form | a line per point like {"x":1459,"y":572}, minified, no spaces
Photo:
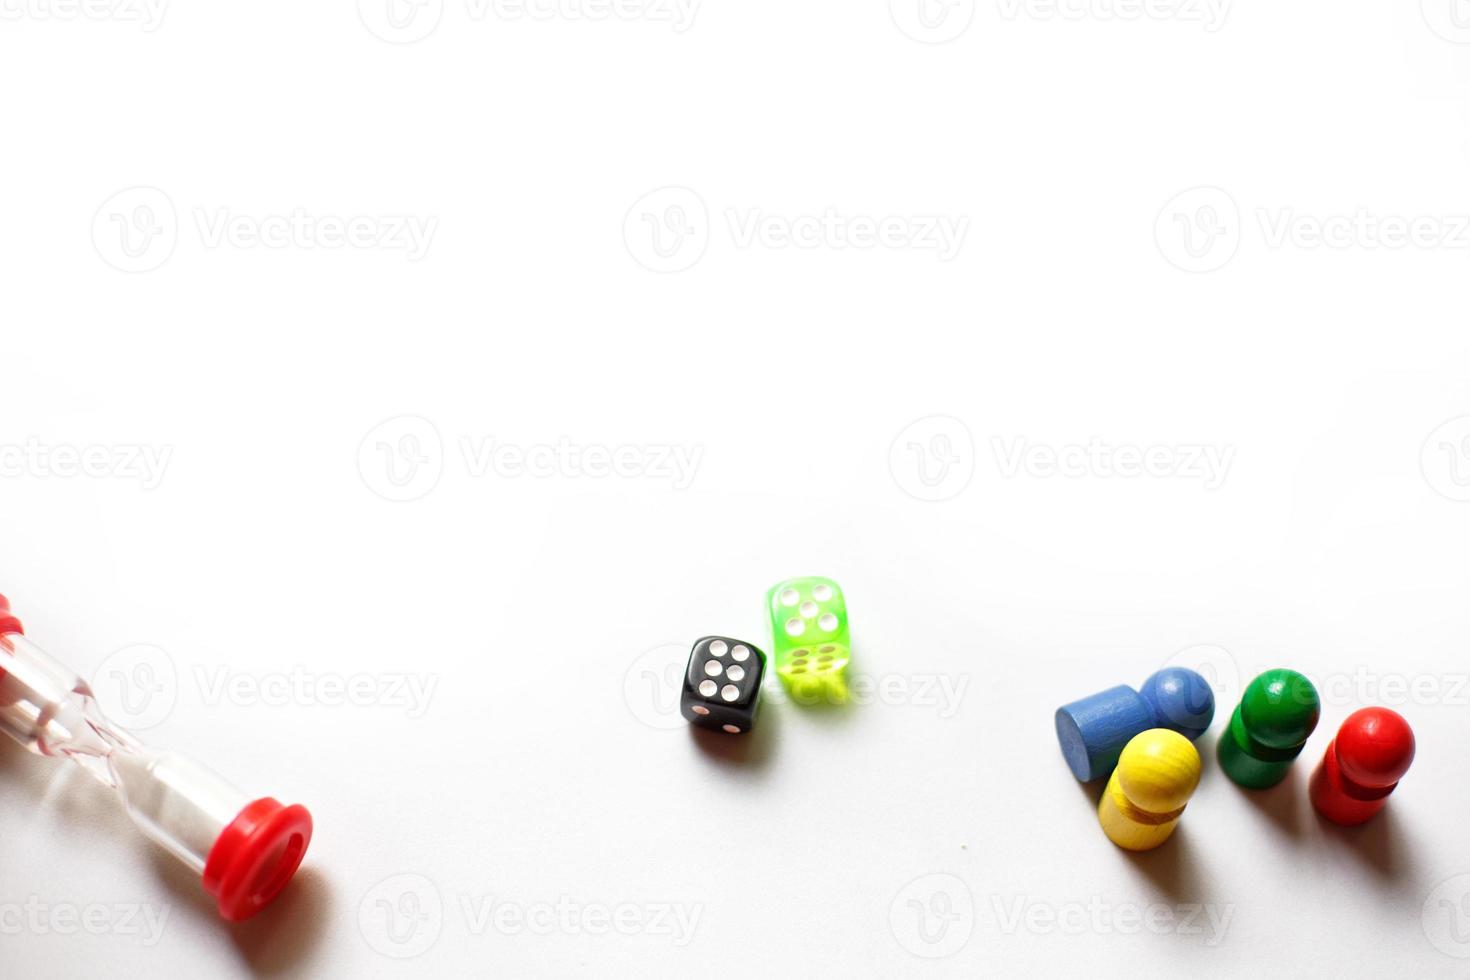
{"x":1371,"y":753}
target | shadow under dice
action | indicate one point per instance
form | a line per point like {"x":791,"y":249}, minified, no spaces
{"x":723,"y":683}
{"x":811,"y":642}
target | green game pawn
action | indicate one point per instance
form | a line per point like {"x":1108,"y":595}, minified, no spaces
{"x":811,"y":647}
{"x":1275,"y":718}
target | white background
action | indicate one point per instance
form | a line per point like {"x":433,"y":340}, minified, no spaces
{"x":601,"y":205}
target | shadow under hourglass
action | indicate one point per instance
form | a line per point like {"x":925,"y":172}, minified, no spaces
{"x":282,"y":938}
{"x":278,"y":939}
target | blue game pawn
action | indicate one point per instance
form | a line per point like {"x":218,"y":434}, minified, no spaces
{"x":1094,"y":731}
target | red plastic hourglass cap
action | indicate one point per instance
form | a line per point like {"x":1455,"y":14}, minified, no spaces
{"x":8,"y":623}
{"x":256,"y":856}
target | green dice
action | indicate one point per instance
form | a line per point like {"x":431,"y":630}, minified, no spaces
{"x":811,"y":647}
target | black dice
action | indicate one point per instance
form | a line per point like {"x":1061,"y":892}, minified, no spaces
{"x":723,"y":684}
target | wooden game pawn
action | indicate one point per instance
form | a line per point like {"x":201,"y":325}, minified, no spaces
{"x":1092,"y":731}
{"x":1156,"y":775}
{"x":1372,"y":751}
{"x":1277,"y":714}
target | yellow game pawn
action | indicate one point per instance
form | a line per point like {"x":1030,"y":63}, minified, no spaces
{"x":1155,"y":778}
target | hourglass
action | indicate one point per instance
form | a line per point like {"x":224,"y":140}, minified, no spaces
{"x":245,"y":850}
